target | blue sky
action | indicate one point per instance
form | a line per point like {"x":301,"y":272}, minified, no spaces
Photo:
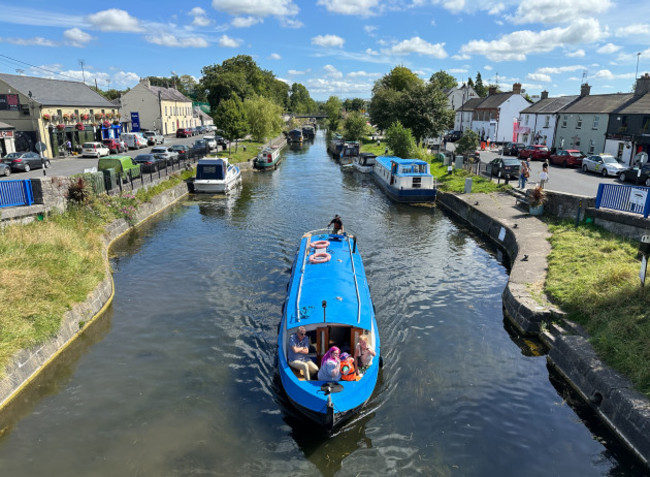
{"x":334,"y":47}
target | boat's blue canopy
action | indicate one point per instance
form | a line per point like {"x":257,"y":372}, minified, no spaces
{"x":340,"y":282}
{"x":404,"y":167}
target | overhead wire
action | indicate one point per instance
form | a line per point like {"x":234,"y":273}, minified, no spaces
{"x":37,"y":67}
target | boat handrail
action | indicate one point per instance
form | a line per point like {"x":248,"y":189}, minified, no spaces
{"x":302,"y":275}
{"x":354,"y":274}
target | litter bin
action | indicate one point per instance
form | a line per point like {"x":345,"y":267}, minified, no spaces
{"x":110,"y":178}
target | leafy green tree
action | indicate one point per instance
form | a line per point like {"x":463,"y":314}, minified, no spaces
{"x":423,"y":111}
{"x":113,"y":93}
{"x":400,"y":140}
{"x":400,"y":78}
{"x":264,"y":117}
{"x":389,"y":94}
{"x":355,"y":127}
{"x":479,"y":87}
{"x":299,"y":100}
{"x":333,"y":111}
{"x":356,"y":104}
{"x":443,"y":80}
{"x":468,"y":142}
{"x":231,"y":117}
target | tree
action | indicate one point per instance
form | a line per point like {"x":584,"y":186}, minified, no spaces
{"x":299,"y":100}
{"x":468,"y":142}
{"x":113,"y":93}
{"x":355,"y":127}
{"x":389,"y":96}
{"x":443,"y":80}
{"x":400,"y":78}
{"x":333,"y":111}
{"x":231,"y":117}
{"x":356,"y":104}
{"x":423,"y":111}
{"x":400,"y":140}
{"x":264,"y":117}
{"x":479,"y":87}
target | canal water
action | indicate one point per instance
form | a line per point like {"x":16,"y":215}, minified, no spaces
{"x":179,"y":376}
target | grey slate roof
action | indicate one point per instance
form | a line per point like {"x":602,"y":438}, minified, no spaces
{"x":493,"y":101}
{"x":50,"y":92}
{"x":637,"y":105}
{"x":598,"y":103}
{"x":550,"y":105}
{"x":169,"y":94}
{"x":471,"y":104}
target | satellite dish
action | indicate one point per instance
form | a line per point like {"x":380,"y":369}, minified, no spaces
{"x":40,"y":146}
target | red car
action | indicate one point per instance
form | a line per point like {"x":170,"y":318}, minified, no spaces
{"x":567,"y":158}
{"x":114,"y":146}
{"x":536,"y":152}
{"x":183,"y":132}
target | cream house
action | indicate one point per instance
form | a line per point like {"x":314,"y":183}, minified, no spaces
{"x":158,"y":108}
{"x":54,"y":112}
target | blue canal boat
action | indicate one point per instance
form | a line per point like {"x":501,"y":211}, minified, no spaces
{"x":405,"y":180}
{"x":328,"y":295}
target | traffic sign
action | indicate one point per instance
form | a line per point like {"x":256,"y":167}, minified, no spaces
{"x":41,"y":146}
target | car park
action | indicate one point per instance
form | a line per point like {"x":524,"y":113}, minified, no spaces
{"x":604,"y":164}
{"x":504,"y":167}
{"x":183,"y":132}
{"x":25,"y":161}
{"x":638,"y":174}
{"x":94,"y":149}
{"x":123,"y":165}
{"x":567,"y":158}
{"x":115,"y":146}
{"x":5,"y":170}
{"x":169,"y":154}
{"x":513,"y":148}
{"x":149,"y":162}
{"x":536,"y":152}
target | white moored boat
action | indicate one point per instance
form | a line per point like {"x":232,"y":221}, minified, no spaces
{"x":365,"y":162}
{"x":216,"y":176}
{"x":405,"y":180}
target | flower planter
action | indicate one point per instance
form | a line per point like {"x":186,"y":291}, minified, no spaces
{"x":536,"y":209}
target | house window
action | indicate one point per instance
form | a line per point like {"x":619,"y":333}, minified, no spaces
{"x":596,"y":121}
{"x":547,"y":121}
{"x":579,"y":124}
{"x":591,"y":146}
{"x":645,"y":124}
{"x":623,"y":127}
{"x":564,"y":120}
{"x":526,"y":120}
{"x":619,"y":153}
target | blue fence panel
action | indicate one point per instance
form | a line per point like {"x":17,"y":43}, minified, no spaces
{"x":14,"y":193}
{"x":634,"y":199}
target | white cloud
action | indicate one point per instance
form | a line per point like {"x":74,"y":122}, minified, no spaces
{"x":517,"y":45}
{"x":168,"y":39}
{"x":227,"y":42}
{"x":457,"y":70}
{"x":77,"y":37}
{"x":496,"y":9}
{"x":608,"y":49}
{"x":635,"y":29}
{"x":454,"y":6}
{"x":328,"y":40}
{"x":488,"y":68}
{"x":35,"y":41}
{"x":539,"y":77}
{"x":576,"y":54}
{"x":554,"y":70}
{"x":197,"y":11}
{"x":608,"y":75}
{"x":362,"y":8}
{"x":362,"y":74}
{"x":291,"y":23}
{"x":557,"y":11}
{"x":114,"y":20}
{"x":295,"y":72}
{"x":245,"y":22}
{"x":418,"y":45}
{"x":322,"y":88}
{"x":257,"y":8}
{"x":274,"y":56}
{"x":370,"y":29}
{"x":371,"y":52}
{"x":332,"y":72}
{"x":200,"y":17}
{"x":125,"y":79}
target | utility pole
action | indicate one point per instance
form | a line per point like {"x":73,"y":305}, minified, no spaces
{"x":636,"y":73}
{"x":83,"y":73}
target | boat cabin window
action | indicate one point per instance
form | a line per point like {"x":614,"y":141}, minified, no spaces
{"x":414,"y":169}
{"x":210,"y":171}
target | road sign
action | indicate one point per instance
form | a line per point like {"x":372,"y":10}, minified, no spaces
{"x":40,"y":146}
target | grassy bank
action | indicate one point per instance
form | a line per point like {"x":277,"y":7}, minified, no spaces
{"x":48,"y":266}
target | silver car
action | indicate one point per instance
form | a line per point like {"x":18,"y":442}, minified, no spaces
{"x":170,"y":155}
{"x":604,"y":164}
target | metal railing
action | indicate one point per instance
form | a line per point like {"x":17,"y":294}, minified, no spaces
{"x":626,"y":198}
{"x":16,"y":192}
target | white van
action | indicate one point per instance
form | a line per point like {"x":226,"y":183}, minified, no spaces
{"x":133,"y":140}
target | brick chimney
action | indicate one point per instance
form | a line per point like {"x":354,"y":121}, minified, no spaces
{"x":544,"y":95}
{"x":492,"y":90}
{"x":584,"y":90}
{"x":516,"y":88}
{"x":642,"y":85}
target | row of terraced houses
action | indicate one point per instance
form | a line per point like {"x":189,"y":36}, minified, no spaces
{"x":617,"y":124}
{"x":40,"y":110}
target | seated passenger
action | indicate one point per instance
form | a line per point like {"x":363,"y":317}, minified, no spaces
{"x":298,"y":351}
{"x":347,"y":368}
{"x":363,"y":354}
{"x":330,"y":368}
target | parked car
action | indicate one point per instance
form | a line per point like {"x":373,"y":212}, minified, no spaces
{"x":631,"y":174}
{"x":183,"y":132}
{"x":211,"y":141}
{"x":453,"y":136}
{"x":604,"y":164}
{"x":115,"y":146}
{"x":504,"y":167}
{"x":536,"y":152}
{"x":513,"y":148}
{"x":165,"y":152}
{"x":153,"y":138}
{"x":5,"y":170}
{"x":200,"y":146}
{"x":25,"y":161}
{"x":221,"y":142}
{"x":123,"y":165}
{"x":149,"y":162}
{"x":94,"y":149}
{"x":180,"y":148}
{"x":567,"y":158}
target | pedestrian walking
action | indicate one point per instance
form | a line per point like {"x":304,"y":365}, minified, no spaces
{"x":68,"y":148}
{"x":543,"y":176}
{"x":524,"y":173}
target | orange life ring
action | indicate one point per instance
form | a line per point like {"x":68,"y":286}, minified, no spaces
{"x":319,"y":244}
{"x":320,"y":257}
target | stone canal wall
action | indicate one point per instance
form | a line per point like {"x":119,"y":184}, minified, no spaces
{"x":523,"y":237}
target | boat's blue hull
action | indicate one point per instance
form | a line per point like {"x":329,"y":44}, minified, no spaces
{"x":406,"y":195}
{"x":348,"y":313}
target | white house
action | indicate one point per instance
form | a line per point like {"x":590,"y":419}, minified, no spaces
{"x":537,"y":123}
{"x":495,"y":117}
